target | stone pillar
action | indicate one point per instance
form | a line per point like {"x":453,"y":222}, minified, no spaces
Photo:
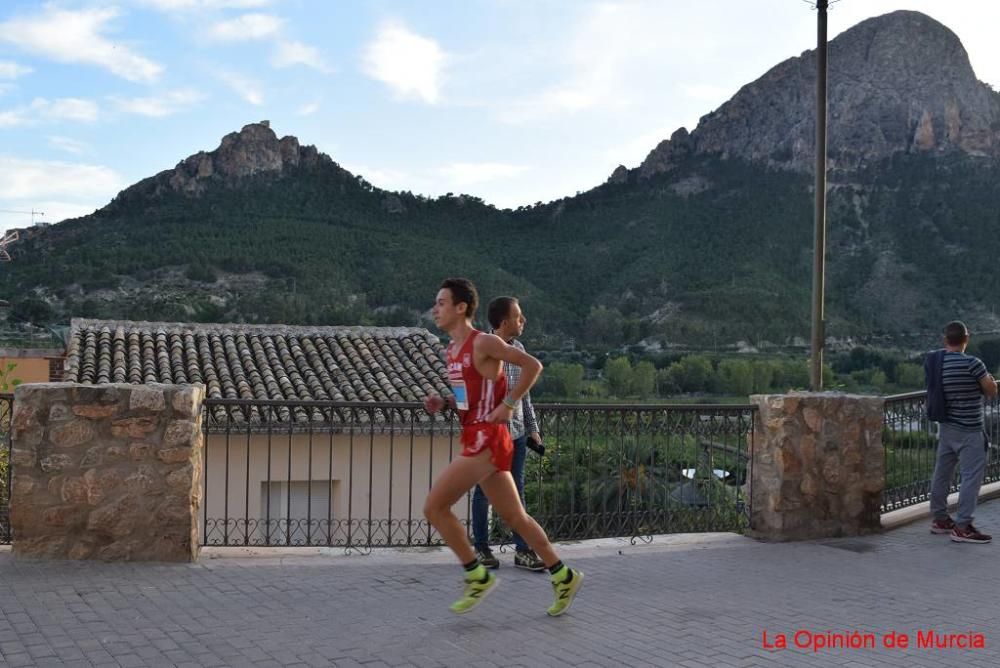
{"x":817,"y":467}
{"x":108,"y":472}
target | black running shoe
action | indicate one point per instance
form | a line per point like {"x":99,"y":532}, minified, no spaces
{"x":528,"y":560}
{"x":486,"y":557}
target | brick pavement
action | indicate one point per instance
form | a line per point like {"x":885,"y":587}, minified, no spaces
{"x":691,"y":601}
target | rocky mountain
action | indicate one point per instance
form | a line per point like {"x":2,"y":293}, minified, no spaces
{"x":898,"y":83}
{"x":253,"y":151}
{"x":707,"y":242}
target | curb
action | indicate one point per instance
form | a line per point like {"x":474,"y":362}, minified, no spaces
{"x":922,"y":511}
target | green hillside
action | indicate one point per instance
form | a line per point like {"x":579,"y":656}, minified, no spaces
{"x":716,"y":250}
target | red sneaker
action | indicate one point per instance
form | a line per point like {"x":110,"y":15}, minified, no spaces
{"x":942,"y":526}
{"x":969,"y":535}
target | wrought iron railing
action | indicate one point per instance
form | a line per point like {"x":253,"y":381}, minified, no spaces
{"x":355,"y":475}
{"x":6,"y":412}
{"x":910,"y":442}
{"x":641,"y":470}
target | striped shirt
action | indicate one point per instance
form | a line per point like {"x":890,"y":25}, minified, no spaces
{"x":523,"y":421}
{"x":960,"y":375}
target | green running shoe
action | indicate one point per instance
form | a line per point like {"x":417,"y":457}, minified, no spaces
{"x":565,"y":591}
{"x":476,"y":589}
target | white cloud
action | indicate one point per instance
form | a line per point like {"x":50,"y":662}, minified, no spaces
{"x":66,"y":109}
{"x":246,"y":88}
{"x":193,"y":5}
{"x":462,"y":174}
{"x":67,"y":144}
{"x":288,"y":53}
{"x":246,"y":28}
{"x":11,"y":70}
{"x":69,"y":36}
{"x":631,"y":36}
{"x":12,"y":118}
{"x":386,"y":179}
{"x":158,"y":106}
{"x":616,"y":57}
{"x":411,"y":65}
{"x":41,"y":110}
{"x":37,"y":179}
{"x":308,"y":109}
{"x":555,"y":101}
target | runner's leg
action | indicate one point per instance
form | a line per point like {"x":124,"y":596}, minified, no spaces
{"x":453,"y":483}
{"x":502,"y":493}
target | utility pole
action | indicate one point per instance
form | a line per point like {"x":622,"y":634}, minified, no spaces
{"x":819,"y":235}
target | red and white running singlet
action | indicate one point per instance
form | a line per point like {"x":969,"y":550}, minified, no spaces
{"x":475,"y":398}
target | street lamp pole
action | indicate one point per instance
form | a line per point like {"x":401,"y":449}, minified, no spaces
{"x":819,"y":235}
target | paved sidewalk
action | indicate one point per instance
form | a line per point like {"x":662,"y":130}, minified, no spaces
{"x":693,"y":600}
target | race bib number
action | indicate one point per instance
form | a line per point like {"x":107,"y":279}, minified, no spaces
{"x":461,"y":397}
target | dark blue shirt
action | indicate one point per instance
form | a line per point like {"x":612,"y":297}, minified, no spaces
{"x":960,"y":374}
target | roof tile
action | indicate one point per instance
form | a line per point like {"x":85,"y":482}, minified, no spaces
{"x":238,"y":361}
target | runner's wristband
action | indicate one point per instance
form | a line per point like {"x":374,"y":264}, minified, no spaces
{"x":509,"y":403}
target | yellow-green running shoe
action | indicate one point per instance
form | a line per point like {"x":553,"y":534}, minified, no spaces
{"x":476,"y":589}
{"x":565,"y":591}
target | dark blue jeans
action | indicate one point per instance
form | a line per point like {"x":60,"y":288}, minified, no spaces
{"x":481,"y":505}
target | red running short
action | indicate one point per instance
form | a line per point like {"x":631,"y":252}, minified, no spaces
{"x":487,"y":435}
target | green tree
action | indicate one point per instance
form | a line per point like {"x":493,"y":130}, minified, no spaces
{"x":665,"y":385}
{"x":33,"y":310}
{"x":563,"y":380}
{"x":692,"y":373}
{"x":7,"y":383}
{"x":791,"y":374}
{"x":879,"y":380}
{"x":737,"y":376}
{"x":829,"y":377}
{"x":618,"y":373}
{"x":910,"y":376}
{"x":644,"y":379}
{"x":763,"y":376}
{"x":604,"y":325}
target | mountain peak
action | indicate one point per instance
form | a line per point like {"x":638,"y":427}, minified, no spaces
{"x":253,"y":151}
{"x":900,"y":82}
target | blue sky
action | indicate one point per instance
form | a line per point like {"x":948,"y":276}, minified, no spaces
{"x":513,"y":101}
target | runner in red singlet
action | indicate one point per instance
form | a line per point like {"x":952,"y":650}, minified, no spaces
{"x":475,"y":398}
{"x":485,"y":404}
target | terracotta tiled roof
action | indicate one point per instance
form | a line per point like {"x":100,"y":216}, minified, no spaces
{"x":283,"y":362}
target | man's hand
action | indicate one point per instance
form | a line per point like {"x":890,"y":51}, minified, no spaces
{"x":501,"y":414}
{"x":433,"y":403}
{"x":534,"y":442}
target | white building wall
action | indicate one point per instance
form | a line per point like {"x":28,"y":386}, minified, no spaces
{"x":377,"y":486}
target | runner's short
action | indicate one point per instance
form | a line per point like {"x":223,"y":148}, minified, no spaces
{"x":495,"y":437}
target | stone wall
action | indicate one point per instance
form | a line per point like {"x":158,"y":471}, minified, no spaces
{"x":817,"y":465}
{"x":107,"y":472}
